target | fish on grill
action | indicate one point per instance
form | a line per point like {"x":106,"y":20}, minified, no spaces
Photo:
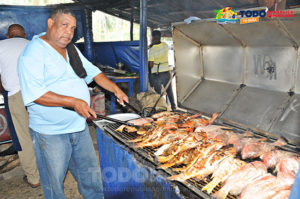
{"x":262,"y":188}
{"x":165,"y":137}
{"x":141,"y":121}
{"x":236,"y":182}
{"x":213,"y":118}
{"x":214,"y":129}
{"x":257,"y":149}
{"x":204,"y":150}
{"x":205,"y":166}
{"x":288,"y":166}
{"x":268,"y":186}
{"x":129,"y":129}
{"x":162,"y":114}
{"x":284,"y":194}
{"x":186,"y":157}
{"x":178,"y":147}
{"x":272,"y":158}
{"x":181,"y":158}
{"x":148,"y":135}
{"x":223,"y":171}
{"x":239,"y":144}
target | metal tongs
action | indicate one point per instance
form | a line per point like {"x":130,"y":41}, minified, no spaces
{"x":100,"y":117}
{"x":132,"y":108}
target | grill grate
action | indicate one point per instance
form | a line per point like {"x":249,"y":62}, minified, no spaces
{"x":148,"y":154}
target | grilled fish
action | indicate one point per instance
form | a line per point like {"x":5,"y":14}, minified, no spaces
{"x":236,"y":182}
{"x":129,"y":129}
{"x":205,"y":166}
{"x":256,"y":149}
{"x":268,"y":186}
{"x":223,"y":171}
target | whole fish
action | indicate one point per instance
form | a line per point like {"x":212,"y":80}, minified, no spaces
{"x":268,"y":186}
{"x":236,"y":182}
{"x":257,"y":149}
{"x":205,"y":166}
{"x":272,"y":158}
{"x":223,"y":171}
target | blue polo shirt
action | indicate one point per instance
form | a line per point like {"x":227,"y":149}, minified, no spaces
{"x":41,"y":69}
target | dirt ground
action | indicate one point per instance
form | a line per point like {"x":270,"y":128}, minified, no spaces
{"x":12,"y":185}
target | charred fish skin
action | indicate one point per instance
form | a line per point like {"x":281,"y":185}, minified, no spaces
{"x":204,"y":166}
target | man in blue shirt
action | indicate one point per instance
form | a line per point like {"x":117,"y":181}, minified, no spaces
{"x":48,"y":82}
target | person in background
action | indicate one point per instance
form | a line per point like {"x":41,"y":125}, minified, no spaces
{"x":159,"y":66}
{"x":54,"y":74}
{"x":10,"y":50}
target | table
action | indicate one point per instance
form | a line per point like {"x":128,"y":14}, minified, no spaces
{"x":118,"y":79}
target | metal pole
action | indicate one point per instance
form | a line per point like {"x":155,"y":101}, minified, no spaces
{"x":131,"y":25}
{"x":143,"y":47}
{"x":88,"y":35}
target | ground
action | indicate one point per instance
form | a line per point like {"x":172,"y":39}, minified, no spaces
{"x":12,"y":185}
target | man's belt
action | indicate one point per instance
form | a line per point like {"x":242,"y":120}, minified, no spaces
{"x":159,"y":65}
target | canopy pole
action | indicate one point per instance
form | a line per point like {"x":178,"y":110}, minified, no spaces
{"x":88,"y":35}
{"x":131,"y":25}
{"x":143,"y":47}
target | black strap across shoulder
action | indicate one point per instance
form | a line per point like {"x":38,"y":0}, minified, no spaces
{"x":75,"y":61}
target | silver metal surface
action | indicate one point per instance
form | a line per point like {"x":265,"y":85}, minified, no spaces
{"x":255,"y":107}
{"x":270,"y":68}
{"x":223,"y":63}
{"x":297,"y":86}
{"x":208,"y":33}
{"x":288,"y":124}
{"x":264,"y":56}
{"x":292,"y":25}
{"x":211,"y":96}
{"x":263,"y":33}
{"x":188,"y":64}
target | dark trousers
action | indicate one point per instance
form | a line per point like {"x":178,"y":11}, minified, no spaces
{"x":158,"y":79}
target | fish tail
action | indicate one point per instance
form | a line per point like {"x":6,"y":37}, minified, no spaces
{"x":210,"y":186}
{"x":167,"y":165}
{"x":164,"y":158}
{"x":180,"y":177}
{"x":135,"y":140}
{"x":280,"y":141}
{"x":221,"y":194}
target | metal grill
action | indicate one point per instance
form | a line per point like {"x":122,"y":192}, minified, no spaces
{"x":148,"y":154}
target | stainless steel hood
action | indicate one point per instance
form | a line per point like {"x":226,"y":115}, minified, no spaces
{"x":248,"y":72}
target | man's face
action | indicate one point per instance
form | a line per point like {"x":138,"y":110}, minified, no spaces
{"x":61,"y":30}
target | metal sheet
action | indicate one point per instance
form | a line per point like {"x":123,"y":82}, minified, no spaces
{"x":208,"y":33}
{"x":292,"y":25}
{"x":223,"y":63}
{"x":211,"y":96}
{"x":297,"y":86}
{"x":263,"y":33}
{"x":270,"y":68}
{"x":255,"y":107}
{"x":188,"y":64}
{"x":288,"y":124}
